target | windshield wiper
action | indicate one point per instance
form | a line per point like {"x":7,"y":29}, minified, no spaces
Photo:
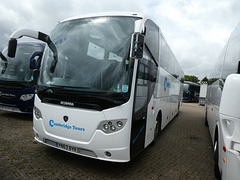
{"x":50,"y":89}
{"x":5,"y":62}
{"x":110,"y":100}
{"x":69,"y":87}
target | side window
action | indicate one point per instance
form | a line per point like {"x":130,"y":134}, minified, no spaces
{"x":219,"y":65}
{"x":232,"y":54}
{"x":141,"y":86}
{"x":168,"y":61}
{"x":146,"y":78}
{"x":216,"y":93}
{"x":164,"y":60}
{"x":152,"y":38}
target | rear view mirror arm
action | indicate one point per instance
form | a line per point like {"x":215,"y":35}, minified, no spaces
{"x":36,"y":35}
{"x":5,"y":62}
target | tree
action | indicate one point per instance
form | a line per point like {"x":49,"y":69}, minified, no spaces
{"x":191,"y":78}
{"x":205,"y":79}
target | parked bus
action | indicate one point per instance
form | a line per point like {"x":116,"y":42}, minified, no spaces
{"x":16,"y":78}
{"x":222,"y":109}
{"x":190,"y":91}
{"x":108,"y":85}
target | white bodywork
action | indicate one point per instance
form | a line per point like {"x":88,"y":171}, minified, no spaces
{"x":91,"y":141}
{"x":79,"y":130}
{"x":229,"y":123}
{"x":226,"y":118}
{"x":222,"y":109}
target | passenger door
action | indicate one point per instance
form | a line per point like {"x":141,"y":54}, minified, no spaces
{"x":145,"y":83}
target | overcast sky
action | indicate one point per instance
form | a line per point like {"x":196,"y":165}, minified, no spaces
{"x":196,"y":30}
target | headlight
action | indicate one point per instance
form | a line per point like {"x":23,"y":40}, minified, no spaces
{"x":120,"y":124}
{"x":37,"y":112}
{"x":26,"y":97}
{"x":112,"y":125}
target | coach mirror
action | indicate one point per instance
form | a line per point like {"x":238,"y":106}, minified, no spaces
{"x":12,"y":46}
{"x":137,"y":46}
{"x":238,"y":70}
{"x":4,"y":59}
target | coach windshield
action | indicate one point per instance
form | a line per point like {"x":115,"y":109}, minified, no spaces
{"x":93,"y":56}
{"x":17,"y":69}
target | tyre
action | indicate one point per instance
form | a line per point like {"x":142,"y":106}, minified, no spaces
{"x":157,"y":130}
{"x":178,"y":109}
{"x":206,"y":121}
{"x":216,"y":160}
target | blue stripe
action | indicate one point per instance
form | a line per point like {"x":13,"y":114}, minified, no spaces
{"x":138,"y":134}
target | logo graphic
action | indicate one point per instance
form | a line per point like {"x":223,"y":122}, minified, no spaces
{"x":64,"y":103}
{"x":6,"y":95}
{"x":65,"y":118}
{"x":168,"y":84}
{"x":60,"y":125}
{"x":165,"y":84}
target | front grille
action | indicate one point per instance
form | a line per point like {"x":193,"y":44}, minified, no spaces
{"x":82,"y":101}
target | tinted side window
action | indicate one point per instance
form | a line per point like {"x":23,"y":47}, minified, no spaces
{"x":232,"y":54}
{"x":152,"y":38}
{"x":169,"y":62}
{"x":217,"y":69}
{"x":164,"y":53}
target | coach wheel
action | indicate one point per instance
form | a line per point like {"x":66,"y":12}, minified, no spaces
{"x":206,"y":121}
{"x":157,"y":131}
{"x":216,"y":160}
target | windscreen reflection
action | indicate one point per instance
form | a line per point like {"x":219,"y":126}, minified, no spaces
{"x":93,"y":55}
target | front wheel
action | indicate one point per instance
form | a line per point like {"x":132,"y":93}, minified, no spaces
{"x":206,"y":121}
{"x":216,"y":160}
{"x":157,"y":129}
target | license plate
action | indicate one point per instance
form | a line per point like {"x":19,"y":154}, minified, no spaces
{"x":8,"y":108}
{"x":66,"y":147}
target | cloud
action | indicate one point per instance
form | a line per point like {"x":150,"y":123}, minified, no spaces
{"x":196,"y":31}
